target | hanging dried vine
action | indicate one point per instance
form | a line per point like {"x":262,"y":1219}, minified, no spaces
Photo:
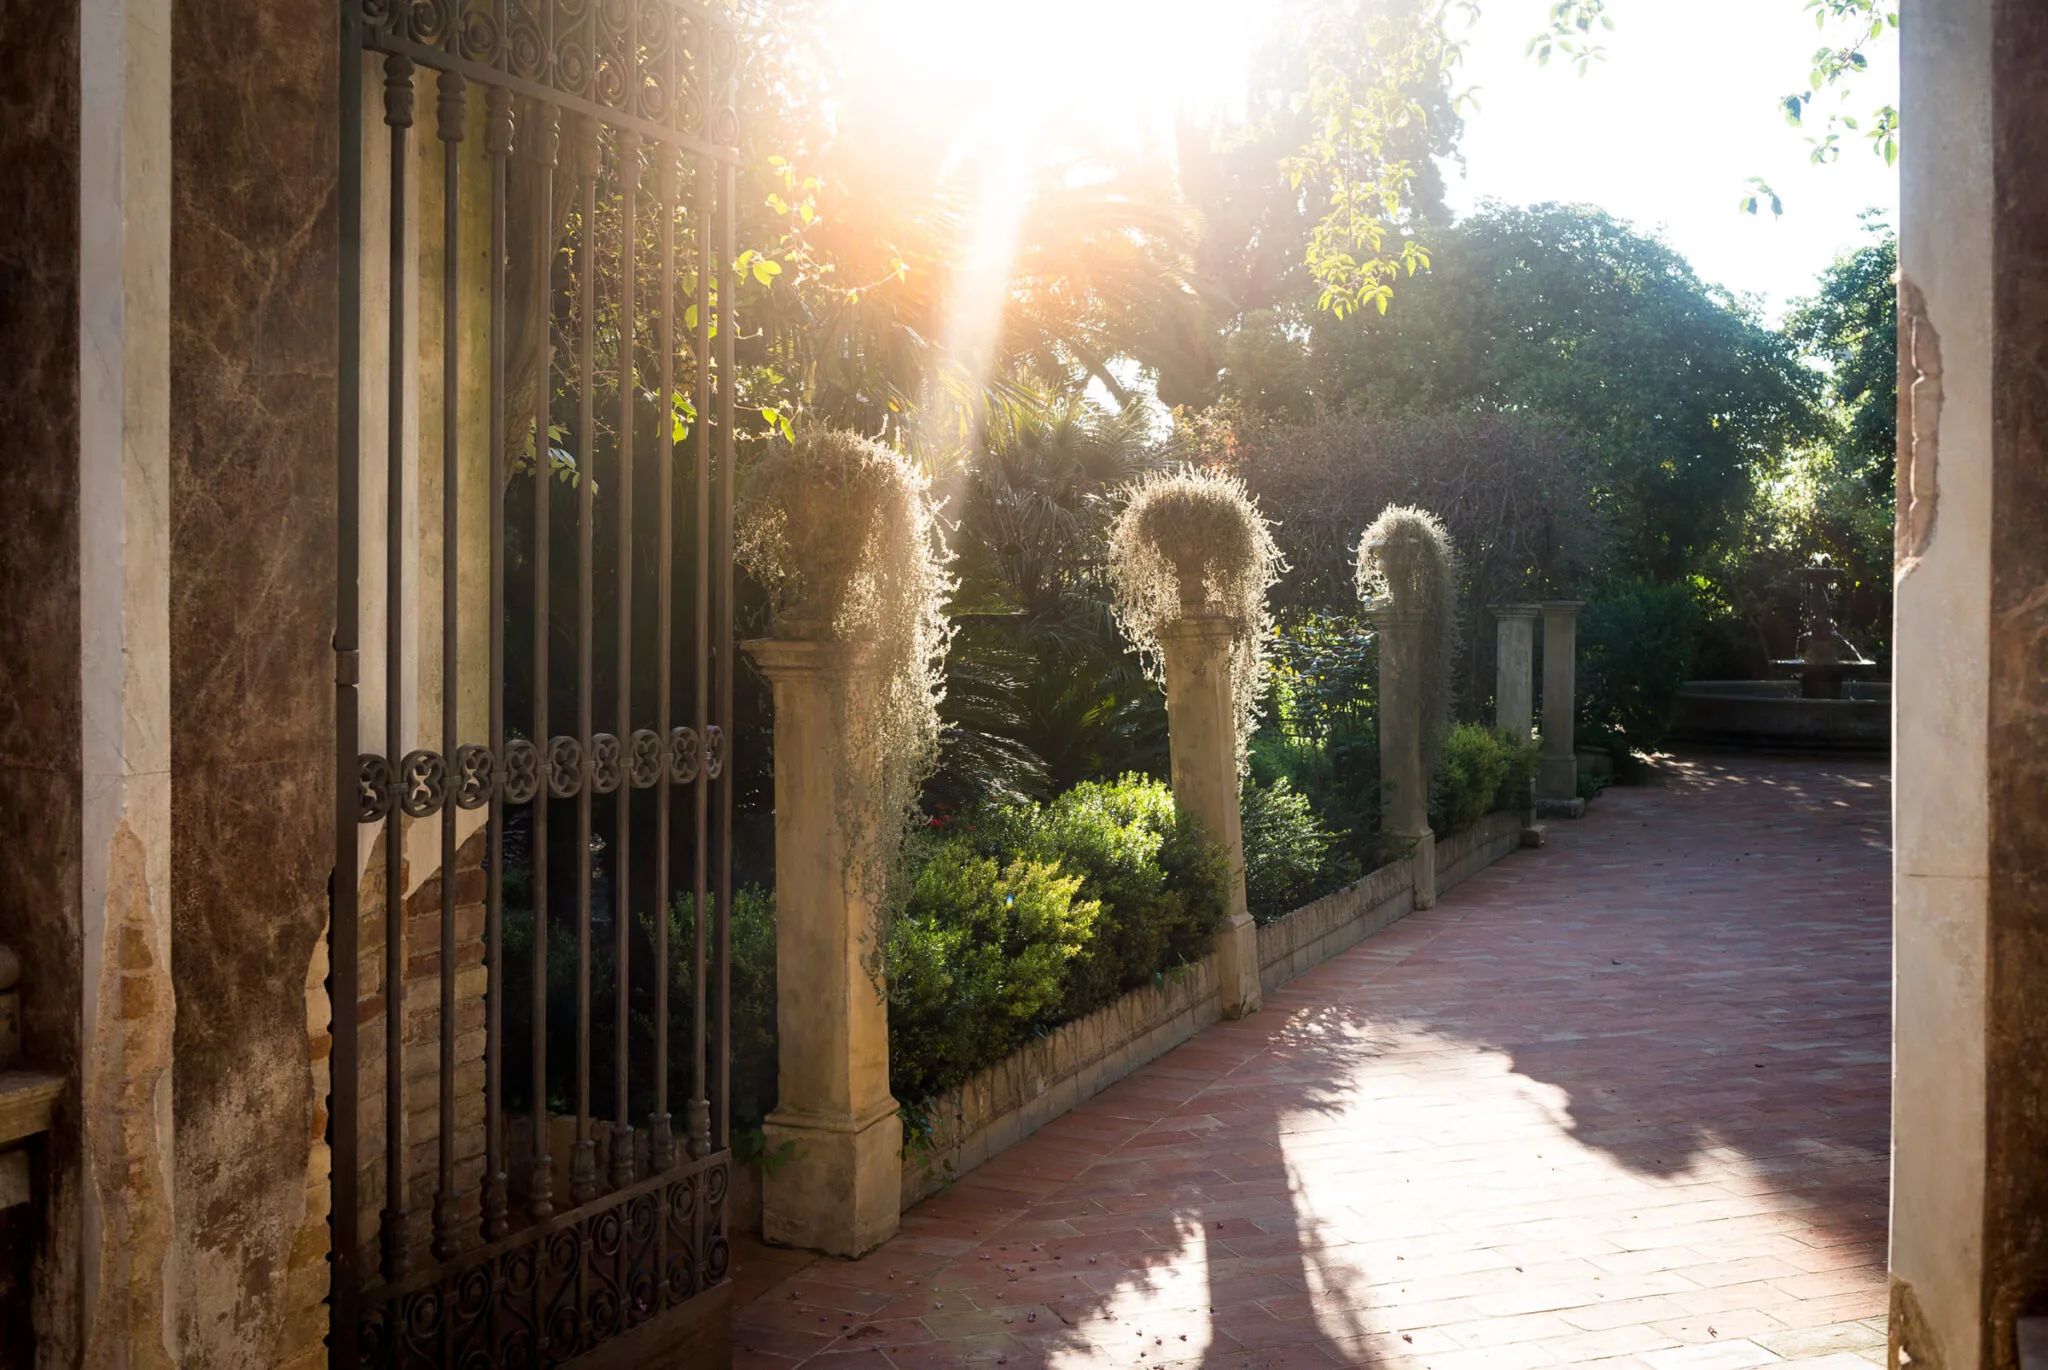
{"x":843,"y":534}
{"x":1406,"y":560}
{"x":1192,"y":541}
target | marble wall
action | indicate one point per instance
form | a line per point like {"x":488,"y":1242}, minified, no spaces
{"x":39,"y":630}
{"x":254,"y":241}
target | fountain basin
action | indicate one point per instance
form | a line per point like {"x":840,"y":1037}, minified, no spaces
{"x":1774,"y":715}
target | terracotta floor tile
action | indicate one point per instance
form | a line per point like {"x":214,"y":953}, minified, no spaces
{"x":1618,"y":1103}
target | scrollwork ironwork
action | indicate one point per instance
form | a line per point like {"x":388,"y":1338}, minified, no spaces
{"x":714,"y":751}
{"x":422,"y":783}
{"x":667,"y":64}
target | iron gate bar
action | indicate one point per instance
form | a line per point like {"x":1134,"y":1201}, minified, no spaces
{"x":559,"y":1287}
{"x":450,"y":107}
{"x":589,"y":152}
{"x":700,"y":432}
{"x":660,"y":1139}
{"x":628,"y":151}
{"x":547,"y":145}
{"x":393,"y":1228}
{"x":726,"y":642}
{"x":496,"y":1215}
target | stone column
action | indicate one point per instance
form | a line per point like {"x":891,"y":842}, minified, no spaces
{"x":1404,"y":778}
{"x":1969,"y":1250}
{"x":1202,"y":717}
{"x":1514,"y":691}
{"x":1557,"y":772}
{"x":841,"y":1190}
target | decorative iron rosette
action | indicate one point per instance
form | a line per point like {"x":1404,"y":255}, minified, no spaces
{"x":565,"y":767}
{"x":373,"y":788}
{"x":476,"y":776}
{"x":685,"y":754}
{"x":605,"y":770}
{"x":646,"y":758}
{"x":714,"y":751}
{"x":522,"y":771}
{"x":422,"y":783}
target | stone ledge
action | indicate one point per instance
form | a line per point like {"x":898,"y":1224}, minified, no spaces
{"x":26,"y":1101}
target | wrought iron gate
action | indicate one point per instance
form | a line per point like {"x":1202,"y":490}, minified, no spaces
{"x":493,"y":1203}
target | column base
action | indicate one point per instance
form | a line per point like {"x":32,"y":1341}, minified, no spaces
{"x":1237,"y":966}
{"x":841,"y":1190}
{"x":1422,"y":865}
{"x":1534,"y":834}
{"x":1557,"y":778}
{"x":1562,"y":808}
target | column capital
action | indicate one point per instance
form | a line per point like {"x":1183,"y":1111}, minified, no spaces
{"x":1561,"y":608}
{"x":1198,"y":628}
{"x":1516,"y":610}
{"x":1386,"y":614}
{"x":804,"y":658}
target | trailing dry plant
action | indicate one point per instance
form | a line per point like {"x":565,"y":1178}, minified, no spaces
{"x":843,"y":534}
{"x":1406,"y":562}
{"x":1191,"y":541}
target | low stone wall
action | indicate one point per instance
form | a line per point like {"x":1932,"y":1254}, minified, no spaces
{"x":1038,"y":1082}
{"x":1013,"y":1099}
{"x":1315,"y":932}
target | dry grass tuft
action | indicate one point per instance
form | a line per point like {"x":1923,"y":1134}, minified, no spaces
{"x":843,"y":533}
{"x":1406,"y":561}
{"x":1193,"y":541}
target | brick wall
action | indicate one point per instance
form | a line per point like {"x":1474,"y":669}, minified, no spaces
{"x":303,"y":1345}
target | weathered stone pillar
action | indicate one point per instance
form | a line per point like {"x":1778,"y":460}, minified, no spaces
{"x":1404,"y":739}
{"x":1969,"y":1249}
{"x":1514,"y":691}
{"x":1557,"y":772}
{"x":840,"y":1192}
{"x":1202,"y":718}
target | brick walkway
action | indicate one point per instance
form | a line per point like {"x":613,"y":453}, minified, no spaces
{"x":1618,"y":1103}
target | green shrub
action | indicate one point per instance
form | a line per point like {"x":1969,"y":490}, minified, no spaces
{"x":1161,"y":884}
{"x":1477,"y":770}
{"x":1636,"y":648}
{"x":1340,"y":776}
{"x":1290,"y":856}
{"x":977,"y":958}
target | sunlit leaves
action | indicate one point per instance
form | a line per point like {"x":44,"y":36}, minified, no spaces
{"x":1569,"y":31}
{"x":1835,"y":66}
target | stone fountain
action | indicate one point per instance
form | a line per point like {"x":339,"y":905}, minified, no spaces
{"x":1827,"y":700}
{"x":1826,"y":660}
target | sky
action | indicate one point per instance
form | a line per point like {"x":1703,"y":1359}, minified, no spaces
{"x":1668,"y":130}
{"x":1665,"y":133}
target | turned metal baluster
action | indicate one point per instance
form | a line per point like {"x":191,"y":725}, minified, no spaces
{"x":622,"y":866}
{"x":589,"y":151}
{"x":540,"y":1184}
{"x":451,"y":110}
{"x":394,"y":1230}
{"x":496,"y":1218}
{"x":728,"y":291}
{"x":700,"y":1098}
{"x":661,"y":1142}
